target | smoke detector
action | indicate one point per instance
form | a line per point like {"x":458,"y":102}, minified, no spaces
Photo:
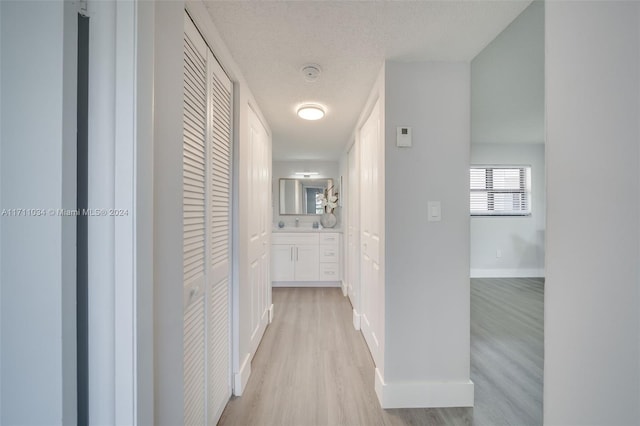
{"x":311,"y":72}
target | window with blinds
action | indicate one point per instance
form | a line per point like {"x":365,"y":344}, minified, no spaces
{"x":500,"y":190}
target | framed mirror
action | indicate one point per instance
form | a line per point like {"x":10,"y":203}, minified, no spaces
{"x":301,"y":196}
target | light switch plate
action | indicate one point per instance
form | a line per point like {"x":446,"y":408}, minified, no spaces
{"x":434,"y":211}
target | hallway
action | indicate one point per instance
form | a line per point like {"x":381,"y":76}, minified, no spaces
{"x":313,"y":368}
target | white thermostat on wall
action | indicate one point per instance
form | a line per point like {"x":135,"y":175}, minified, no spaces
{"x":403,"y":138}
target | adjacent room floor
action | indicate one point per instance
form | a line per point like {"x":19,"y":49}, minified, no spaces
{"x":313,"y":368}
{"x":507,"y":350}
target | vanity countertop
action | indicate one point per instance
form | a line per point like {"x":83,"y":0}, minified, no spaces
{"x":305,"y":229}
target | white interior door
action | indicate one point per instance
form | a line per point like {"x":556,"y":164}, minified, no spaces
{"x":353,"y":233}
{"x":206,"y":232}
{"x":259,"y":190}
{"x":372,"y":293}
{"x":194,"y":223}
{"x":219,"y":142}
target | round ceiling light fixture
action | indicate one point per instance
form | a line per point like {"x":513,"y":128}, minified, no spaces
{"x":310,"y":112}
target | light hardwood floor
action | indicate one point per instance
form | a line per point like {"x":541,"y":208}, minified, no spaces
{"x":507,"y":352}
{"x":313,"y":368}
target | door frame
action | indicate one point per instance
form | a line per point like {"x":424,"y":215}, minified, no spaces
{"x":120,"y":242}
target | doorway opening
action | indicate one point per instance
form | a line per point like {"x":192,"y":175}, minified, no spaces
{"x":507,"y":223}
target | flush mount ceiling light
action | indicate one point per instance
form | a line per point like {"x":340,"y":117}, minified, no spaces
{"x":310,"y":112}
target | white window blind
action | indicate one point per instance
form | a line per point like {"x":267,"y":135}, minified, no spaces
{"x":500,"y":190}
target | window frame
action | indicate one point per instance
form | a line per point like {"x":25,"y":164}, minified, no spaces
{"x":525,"y":190}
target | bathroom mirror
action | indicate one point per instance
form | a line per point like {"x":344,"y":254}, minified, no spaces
{"x":301,"y":196}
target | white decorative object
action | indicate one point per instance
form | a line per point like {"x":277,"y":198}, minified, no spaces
{"x":328,"y":220}
{"x":329,"y":203}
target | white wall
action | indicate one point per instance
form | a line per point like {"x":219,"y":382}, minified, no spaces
{"x":507,"y":83}
{"x":145,"y":16}
{"x":427,"y":263}
{"x":592,"y":371}
{"x":38,"y":376}
{"x":287,"y":169}
{"x":507,"y":127}
{"x":520,"y":239}
{"x":168,"y":257}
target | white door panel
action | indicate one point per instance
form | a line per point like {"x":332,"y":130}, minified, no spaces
{"x":206,"y":232}
{"x":259,"y":190}
{"x":282,"y":262}
{"x":306,"y":261}
{"x":353,"y":230}
{"x":372,"y":293}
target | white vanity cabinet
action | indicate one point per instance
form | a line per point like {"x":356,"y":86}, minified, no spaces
{"x":329,"y":257}
{"x":294,"y":257}
{"x":305,"y":257}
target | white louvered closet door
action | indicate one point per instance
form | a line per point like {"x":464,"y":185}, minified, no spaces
{"x":206,"y":232}
{"x":194,"y":223}
{"x":219,"y":253}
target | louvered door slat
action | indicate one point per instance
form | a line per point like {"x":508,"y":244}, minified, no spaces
{"x":194,"y":123}
{"x":219,"y":224}
{"x":194,"y":230}
{"x":194,"y":363}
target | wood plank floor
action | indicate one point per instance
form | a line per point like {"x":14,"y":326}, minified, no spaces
{"x":507,"y":350}
{"x":313,"y":368}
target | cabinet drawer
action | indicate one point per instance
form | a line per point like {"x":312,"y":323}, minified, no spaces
{"x":294,"y":238}
{"x":329,"y":272}
{"x":328,"y":254}
{"x":329,"y":238}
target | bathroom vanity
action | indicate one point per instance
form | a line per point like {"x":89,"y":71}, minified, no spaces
{"x":305,"y":258}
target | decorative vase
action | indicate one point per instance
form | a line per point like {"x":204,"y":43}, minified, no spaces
{"x":328,"y":220}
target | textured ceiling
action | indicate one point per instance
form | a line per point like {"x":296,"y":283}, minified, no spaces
{"x":272,"y":40}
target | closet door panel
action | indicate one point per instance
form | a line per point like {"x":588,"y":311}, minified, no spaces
{"x":219,"y":248}
{"x":207,"y":150}
{"x":194,"y":363}
{"x":353,"y":234}
{"x":372,"y":292}
{"x":259,"y":203}
{"x":194,"y":225}
{"x":195,"y":123}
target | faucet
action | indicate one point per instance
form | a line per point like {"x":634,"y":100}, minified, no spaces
{"x":297,"y":221}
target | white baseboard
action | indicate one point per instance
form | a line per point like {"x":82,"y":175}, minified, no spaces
{"x":356,"y":320}
{"x":423,"y":394}
{"x":306,"y":284}
{"x":271,"y":313}
{"x":344,"y":289}
{"x":379,"y":386}
{"x":241,"y":378}
{"x":507,"y":273}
